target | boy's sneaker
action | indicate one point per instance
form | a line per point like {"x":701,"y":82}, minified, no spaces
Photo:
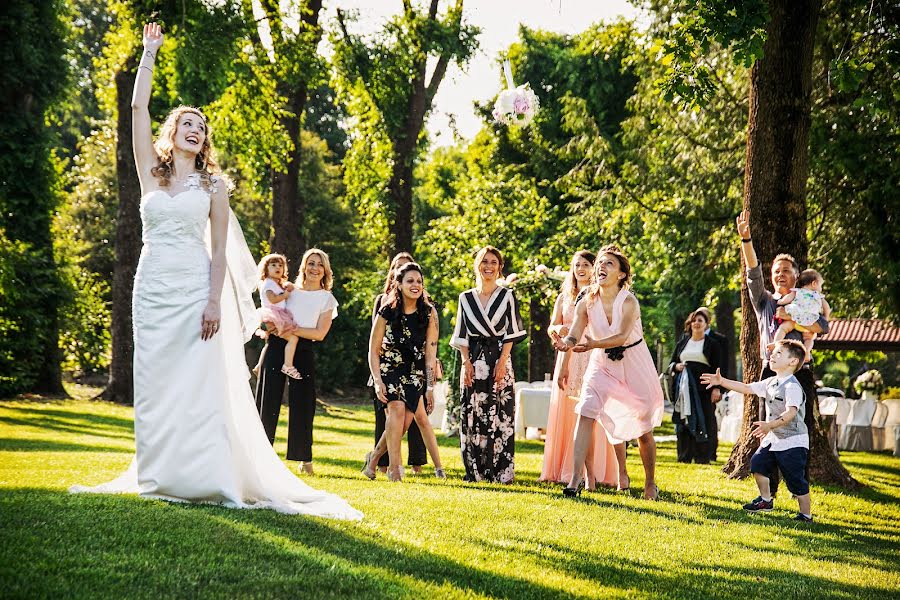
{"x":759,"y":505}
{"x":803,"y":518}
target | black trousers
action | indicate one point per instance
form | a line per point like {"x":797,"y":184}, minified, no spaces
{"x":418,"y":455}
{"x":301,"y":396}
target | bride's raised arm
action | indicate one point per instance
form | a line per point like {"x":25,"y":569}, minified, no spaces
{"x":141,"y":133}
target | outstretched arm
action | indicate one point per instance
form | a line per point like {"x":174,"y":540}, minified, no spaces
{"x":715,"y":379}
{"x":141,"y":134}
{"x":581,"y":320}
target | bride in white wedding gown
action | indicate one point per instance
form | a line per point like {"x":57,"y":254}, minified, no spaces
{"x":198,"y":436}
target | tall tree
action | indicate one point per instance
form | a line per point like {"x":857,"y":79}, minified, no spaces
{"x":296,"y":53}
{"x":777,"y":37}
{"x":120,"y":60}
{"x":33,"y":74}
{"x":853,"y":198}
{"x":390,"y":70}
{"x":259,"y":118}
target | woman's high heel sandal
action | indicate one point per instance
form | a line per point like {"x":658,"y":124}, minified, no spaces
{"x":370,"y":473}
{"x":574,"y":492}
{"x":439,"y":473}
{"x":394,"y":474}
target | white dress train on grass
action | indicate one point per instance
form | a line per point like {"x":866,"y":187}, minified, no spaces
{"x":198,"y":436}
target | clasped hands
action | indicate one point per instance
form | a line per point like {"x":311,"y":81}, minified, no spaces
{"x":563,"y":344}
{"x":499,"y":371}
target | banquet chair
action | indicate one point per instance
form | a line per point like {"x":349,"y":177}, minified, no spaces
{"x":856,"y":435}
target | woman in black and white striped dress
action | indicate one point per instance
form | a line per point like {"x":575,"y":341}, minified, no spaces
{"x":487,"y":326}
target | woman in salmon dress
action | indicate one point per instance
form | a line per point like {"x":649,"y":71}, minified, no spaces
{"x":602,"y":467}
{"x":621,"y":387}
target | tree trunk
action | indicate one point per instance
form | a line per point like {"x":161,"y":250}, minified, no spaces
{"x":540,"y":350}
{"x":49,"y":375}
{"x":775,"y":193}
{"x":725,"y":326}
{"x":401,"y":192}
{"x":128,"y":244}
{"x":288,"y":207}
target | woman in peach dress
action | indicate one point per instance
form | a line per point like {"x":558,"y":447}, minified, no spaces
{"x":621,"y":389}
{"x":560,"y":441}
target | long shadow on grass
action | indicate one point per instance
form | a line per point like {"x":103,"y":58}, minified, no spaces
{"x":69,"y":422}
{"x":23,"y":445}
{"x":52,"y":543}
{"x":691,"y":579}
{"x":853,"y":543}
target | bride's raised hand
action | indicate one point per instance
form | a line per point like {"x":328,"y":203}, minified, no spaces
{"x":153,"y":37}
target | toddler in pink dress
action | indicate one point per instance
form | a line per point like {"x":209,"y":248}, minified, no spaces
{"x":273,"y":291}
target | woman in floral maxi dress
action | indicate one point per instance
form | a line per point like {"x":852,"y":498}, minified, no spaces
{"x":487,"y":326}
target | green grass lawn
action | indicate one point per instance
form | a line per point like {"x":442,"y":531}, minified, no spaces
{"x":423,"y":538}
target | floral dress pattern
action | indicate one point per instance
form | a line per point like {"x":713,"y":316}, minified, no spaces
{"x":402,"y":364}
{"x":487,"y":410}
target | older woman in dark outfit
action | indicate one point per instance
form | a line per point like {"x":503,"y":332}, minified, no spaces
{"x":695,"y":353}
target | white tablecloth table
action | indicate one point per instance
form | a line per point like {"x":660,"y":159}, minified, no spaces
{"x":730,"y":426}
{"x":441,"y":392}
{"x":532,"y":407}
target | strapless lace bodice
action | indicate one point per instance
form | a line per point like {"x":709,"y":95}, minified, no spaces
{"x":174,"y":258}
{"x":175,"y":220}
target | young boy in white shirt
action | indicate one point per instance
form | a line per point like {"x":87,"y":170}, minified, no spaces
{"x":785,"y":438}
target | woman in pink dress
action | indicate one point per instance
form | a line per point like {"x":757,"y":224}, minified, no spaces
{"x":600,"y":459}
{"x":621,"y":388}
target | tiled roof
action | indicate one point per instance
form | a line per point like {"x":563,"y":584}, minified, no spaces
{"x":863,"y":334}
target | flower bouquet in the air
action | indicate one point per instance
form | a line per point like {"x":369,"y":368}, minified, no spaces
{"x":515,"y":105}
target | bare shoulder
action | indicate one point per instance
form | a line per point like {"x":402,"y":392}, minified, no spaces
{"x":218,"y":191}
{"x":631,"y":304}
{"x":581,"y":307}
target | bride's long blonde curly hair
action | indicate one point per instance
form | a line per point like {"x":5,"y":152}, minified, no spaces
{"x":165,"y":145}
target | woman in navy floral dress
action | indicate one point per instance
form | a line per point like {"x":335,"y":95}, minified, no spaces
{"x":402,"y":357}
